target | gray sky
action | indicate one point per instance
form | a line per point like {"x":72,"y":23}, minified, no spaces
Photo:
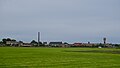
{"x":60,"y":20}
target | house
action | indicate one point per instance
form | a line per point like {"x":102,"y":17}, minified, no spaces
{"x":77,"y":44}
{"x":90,"y":44}
{"x":12,"y":43}
{"x":55,"y":44}
{"x":26,"y":45}
{"x":1,"y":44}
{"x":65,"y":44}
{"x":45,"y":43}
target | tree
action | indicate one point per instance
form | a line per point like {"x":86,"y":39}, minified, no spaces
{"x":40,"y":44}
{"x":34,"y":43}
{"x":65,"y":43}
{"x":13,"y":40}
{"x":117,"y":45}
{"x":20,"y":41}
{"x":8,"y":39}
{"x":4,"y":41}
{"x":1,"y":42}
{"x":101,"y":45}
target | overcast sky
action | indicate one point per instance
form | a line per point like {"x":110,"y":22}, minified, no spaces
{"x":60,"y":20}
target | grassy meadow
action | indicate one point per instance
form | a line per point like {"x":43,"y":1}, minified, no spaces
{"x":31,"y":57}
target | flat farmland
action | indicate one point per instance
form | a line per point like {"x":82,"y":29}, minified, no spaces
{"x":33,"y":57}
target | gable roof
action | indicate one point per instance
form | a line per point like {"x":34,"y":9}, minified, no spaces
{"x":55,"y":43}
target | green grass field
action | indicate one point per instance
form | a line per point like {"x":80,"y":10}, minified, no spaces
{"x":20,"y":57}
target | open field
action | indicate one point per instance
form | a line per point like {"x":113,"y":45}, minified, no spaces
{"x":20,"y":57}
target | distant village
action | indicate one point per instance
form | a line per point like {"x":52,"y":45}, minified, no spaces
{"x":14,"y":43}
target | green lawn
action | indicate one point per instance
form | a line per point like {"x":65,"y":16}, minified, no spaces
{"x":20,"y":57}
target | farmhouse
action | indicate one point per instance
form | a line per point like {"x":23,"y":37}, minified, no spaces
{"x":77,"y":44}
{"x":55,"y":44}
{"x":26,"y":45}
{"x":45,"y":43}
{"x":12,"y":43}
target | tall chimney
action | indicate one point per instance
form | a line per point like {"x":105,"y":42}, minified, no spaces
{"x":38,"y":38}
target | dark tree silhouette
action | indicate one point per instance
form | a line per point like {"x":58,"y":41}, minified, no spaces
{"x":13,"y":40}
{"x":20,"y":41}
{"x":8,"y":39}
{"x":33,"y":42}
{"x":4,"y":41}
